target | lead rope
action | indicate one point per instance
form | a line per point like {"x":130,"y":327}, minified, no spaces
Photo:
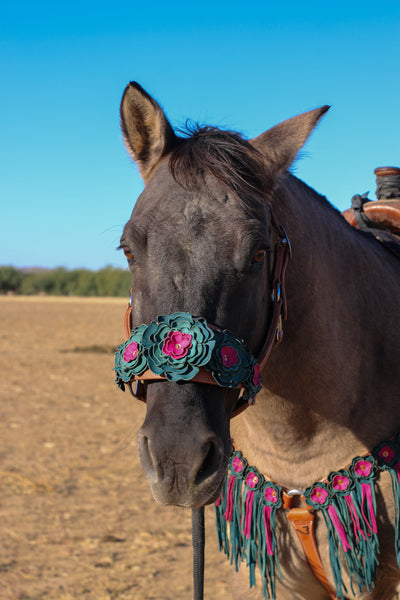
{"x":198,"y":542}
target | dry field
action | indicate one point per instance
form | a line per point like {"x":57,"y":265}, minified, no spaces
{"x":77,"y":520}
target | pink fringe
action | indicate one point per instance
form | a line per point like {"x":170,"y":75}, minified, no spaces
{"x":339,"y":528}
{"x":268,"y":532}
{"x":248,"y":514}
{"x":229,"y":498}
{"x":367,"y":495}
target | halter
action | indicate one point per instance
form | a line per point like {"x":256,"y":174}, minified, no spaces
{"x":141,"y":359}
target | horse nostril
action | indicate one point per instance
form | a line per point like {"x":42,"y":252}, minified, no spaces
{"x":146,"y":459}
{"x":212,"y":452}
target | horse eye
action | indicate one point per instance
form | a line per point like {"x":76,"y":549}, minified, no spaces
{"x":128,"y":254}
{"x":259,"y":257}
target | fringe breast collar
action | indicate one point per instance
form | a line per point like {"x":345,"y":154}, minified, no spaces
{"x":246,"y":511}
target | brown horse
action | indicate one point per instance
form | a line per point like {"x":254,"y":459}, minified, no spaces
{"x":200,"y":239}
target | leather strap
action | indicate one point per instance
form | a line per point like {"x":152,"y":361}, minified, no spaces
{"x":302,"y":520}
{"x":127,"y":322}
{"x":275,"y":331}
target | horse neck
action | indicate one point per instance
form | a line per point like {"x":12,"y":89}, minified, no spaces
{"x":331,"y":390}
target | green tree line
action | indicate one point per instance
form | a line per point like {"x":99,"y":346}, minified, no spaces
{"x":108,"y":281}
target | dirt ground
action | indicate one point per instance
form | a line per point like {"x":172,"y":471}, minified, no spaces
{"x":77,"y":520}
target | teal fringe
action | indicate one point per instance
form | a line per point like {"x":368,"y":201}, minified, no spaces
{"x":246,"y":518}
{"x":336,"y":566}
{"x":394,"y":476}
{"x":267,"y":563}
{"x":232,"y":538}
{"x":229,"y":532}
{"x":387,"y":455}
{"x":361,"y":557}
{"x":250,"y":542}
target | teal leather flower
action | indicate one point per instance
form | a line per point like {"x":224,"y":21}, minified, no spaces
{"x":129,"y":358}
{"x":253,"y":384}
{"x":177,"y":345}
{"x":232,"y":364}
{"x":387,"y":454}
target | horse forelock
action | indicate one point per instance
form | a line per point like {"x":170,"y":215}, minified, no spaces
{"x":228,"y":157}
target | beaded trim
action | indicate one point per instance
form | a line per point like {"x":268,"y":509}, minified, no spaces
{"x":246,"y":510}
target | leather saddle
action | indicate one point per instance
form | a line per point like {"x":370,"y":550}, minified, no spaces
{"x":381,"y":214}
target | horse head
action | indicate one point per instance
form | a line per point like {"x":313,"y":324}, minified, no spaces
{"x":200,"y":240}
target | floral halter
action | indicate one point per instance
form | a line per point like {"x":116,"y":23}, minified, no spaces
{"x":176,"y":346}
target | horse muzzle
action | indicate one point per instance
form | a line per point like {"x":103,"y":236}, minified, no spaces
{"x":190,"y":480}
{"x":184,"y":450}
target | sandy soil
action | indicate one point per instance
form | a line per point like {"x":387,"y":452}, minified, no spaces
{"x":77,"y":519}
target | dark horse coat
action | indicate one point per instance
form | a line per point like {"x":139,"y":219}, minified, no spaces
{"x":199,"y":240}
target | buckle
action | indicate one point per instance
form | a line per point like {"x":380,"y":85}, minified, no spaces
{"x":292,"y":493}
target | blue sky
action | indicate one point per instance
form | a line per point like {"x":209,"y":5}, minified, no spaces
{"x":67,"y":185}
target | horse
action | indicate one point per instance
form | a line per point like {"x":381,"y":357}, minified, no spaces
{"x":201,"y":240}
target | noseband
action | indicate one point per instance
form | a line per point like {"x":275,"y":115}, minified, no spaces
{"x":180,"y":347}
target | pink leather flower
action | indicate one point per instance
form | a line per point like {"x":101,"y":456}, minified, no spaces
{"x":386,"y":453}
{"x":363,"y":468}
{"x":131,"y":352}
{"x":237,"y":464}
{"x":319,"y":495}
{"x":271,"y":495}
{"x":256,"y":375}
{"x":177,"y":344}
{"x":229,"y":356}
{"x":252,"y":479}
{"x":340,"y":482}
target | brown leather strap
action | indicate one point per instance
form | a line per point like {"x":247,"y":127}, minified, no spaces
{"x":275,"y":332}
{"x":302,"y":520}
{"x":127,"y":322}
{"x":203,"y":376}
{"x":137,"y":386}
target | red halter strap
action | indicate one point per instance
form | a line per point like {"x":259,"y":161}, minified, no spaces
{"x":282,"y":253}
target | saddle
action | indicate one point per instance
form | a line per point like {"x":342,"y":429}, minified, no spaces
{"x":382,"y":214}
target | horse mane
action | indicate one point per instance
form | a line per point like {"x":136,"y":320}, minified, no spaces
{"x":235,"y":163}
{"x":226,"y":155}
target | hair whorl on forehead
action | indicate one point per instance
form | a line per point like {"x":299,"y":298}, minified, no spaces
{"x":229,"y":157}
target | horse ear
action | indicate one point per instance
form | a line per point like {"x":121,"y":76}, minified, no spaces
{"x":281,"y":144}
{"x":147,"y":132}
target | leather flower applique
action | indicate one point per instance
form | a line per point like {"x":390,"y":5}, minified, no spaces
{"x":231,"y":364}
{"x":317,"y":495}
{"x":129,"y":358}
{"x":177,"y":345}
{"x":386,"y":454}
